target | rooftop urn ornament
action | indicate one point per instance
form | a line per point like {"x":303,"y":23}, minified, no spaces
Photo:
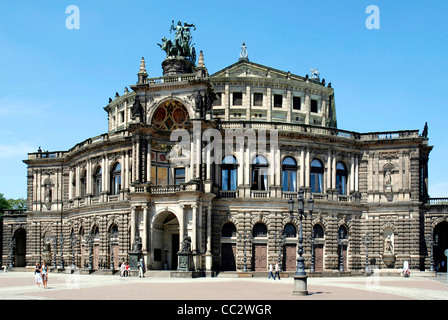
{"x":243,"y":53}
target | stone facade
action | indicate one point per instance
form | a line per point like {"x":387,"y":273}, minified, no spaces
{"x":140,"y":189}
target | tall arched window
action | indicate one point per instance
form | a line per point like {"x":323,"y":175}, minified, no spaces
{"x":317,"y":174}
{"x":341,"y":178}
{"x":228,"y":230}
{"x":115,"y":176}
{"x":318,"y":231}
{"x":228,"y":173}
{"x":83,"y":183}
{"x":289,"y":174}
{"x":259,"y":173}
{"x":259,"y":230}
{"x":97,"y":178}
{"x":290,"y":230}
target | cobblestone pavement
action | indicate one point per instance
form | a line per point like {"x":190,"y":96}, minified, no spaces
{"x":21,"y":286}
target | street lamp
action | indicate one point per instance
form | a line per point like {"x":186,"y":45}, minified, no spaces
{"x":73,"y":241}
{"x":341,"y":243}
{"x":89,"y":240}
{"x":62,"y":249}
{"x":54,"y":240}
{"x":113,"y":236}
{"x":366,"y":240}
{"x":300,"y":277}
{"x":281,"y":242}
{"x":244,"y":249}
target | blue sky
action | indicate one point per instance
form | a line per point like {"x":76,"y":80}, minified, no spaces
{"x":54,"y":81}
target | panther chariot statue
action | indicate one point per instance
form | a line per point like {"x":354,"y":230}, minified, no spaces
{"x":180,"y":53}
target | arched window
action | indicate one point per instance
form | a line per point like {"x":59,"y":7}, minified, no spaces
{"x":96,"y":233}
{"x":115,"y":176}
{"x":317,"y":174}
{"x":342,"y":233}
{"x":228,"y":173}
{"x":318,"y":231}
{"x":259,"y":230}
{"x":290,"y":230}
{"x":259,"y":173}
{"x":83,"y":183}
{"x":114,"y":232}
{"x":228,"y":230}
{"x":341,"y":178}
{"x":289,"y":174}
{"x":97,"y":178}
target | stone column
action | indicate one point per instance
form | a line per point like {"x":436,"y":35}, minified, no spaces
{"x":226,"y":102}
{"x":133,"y":225}
{"x":248,"y":105}
{"x":145,"y":236}
{"x":70,"y":184}
{"x":307,"y":107}
{"x":352,"y":174}
{"x":208,"y":254}
{"x":194,"y":235}
{"x":148,"y":162}
{"x":307,"y":168}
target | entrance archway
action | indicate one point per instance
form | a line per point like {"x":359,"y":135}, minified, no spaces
{"x":441,"y":244}
{"x":20,"y":248}
{"x":165,"y":241}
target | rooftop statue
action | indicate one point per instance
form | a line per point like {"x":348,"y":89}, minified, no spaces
{"x":181,"y":46}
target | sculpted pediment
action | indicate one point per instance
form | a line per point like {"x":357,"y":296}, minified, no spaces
{"x":250,"y":69}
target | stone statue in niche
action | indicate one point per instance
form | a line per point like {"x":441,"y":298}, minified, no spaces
{"x":388,"y":244}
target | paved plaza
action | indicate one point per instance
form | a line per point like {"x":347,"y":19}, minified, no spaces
{"x":64,"y":286}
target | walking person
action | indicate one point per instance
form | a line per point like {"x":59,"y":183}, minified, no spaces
{"x":37,"y":274}
{"x":277,"y":271}
{"x":271,"y":272}
{"x":141,"y":268}
{"x":44,"y":273}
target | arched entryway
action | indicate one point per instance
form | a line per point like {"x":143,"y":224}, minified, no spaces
{"x":440,"y":245}
{"x":20,"y":248}
{"x":228,"y":247}
{"x":165,"y":241}
{"x":259,"y":247}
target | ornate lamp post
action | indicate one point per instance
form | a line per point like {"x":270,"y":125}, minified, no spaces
{"x":281,"y":242}
{"x":300,"y":277}
{"x":89,"y":240}
{"x":113,"y":235}
{"x":341,"y":243}
{"x":244,"y":250}
{"x":73,"y":242}
{"x":54,"y":240}
{"x":366,"y":241}
{"x":62,"y":255}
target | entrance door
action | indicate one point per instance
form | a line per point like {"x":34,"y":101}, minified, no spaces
{"x":319,"y":257}
{"x":228,"y":254}
{"x":289,"y":257}
{"x":259,"y":258}
{"x":20,"y":248}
